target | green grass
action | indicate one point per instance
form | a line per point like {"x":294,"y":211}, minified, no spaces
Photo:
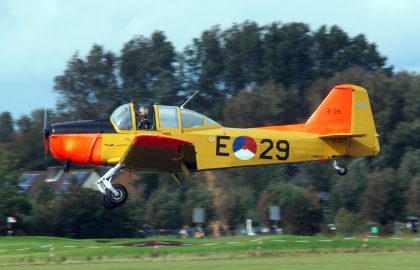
{"x":42,"y":250}
{"x":383,"y":261}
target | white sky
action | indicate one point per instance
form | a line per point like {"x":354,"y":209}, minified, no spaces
{"x":38,"y":37}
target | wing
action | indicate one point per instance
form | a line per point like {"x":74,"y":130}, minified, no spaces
{"x":160,"y":153}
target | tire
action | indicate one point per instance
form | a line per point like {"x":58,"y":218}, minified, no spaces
{"x":107,"y":204}
{"x":122,"y":195}
{"x":341,"y":173}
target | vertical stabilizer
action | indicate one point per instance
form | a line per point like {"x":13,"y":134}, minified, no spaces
{"x":334,"y":114}
{"x":346,"y":114}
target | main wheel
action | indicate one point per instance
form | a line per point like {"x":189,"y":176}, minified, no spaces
{"x":342,"y":172}
{"x":119,"y":198}
{"x":107,"y":204}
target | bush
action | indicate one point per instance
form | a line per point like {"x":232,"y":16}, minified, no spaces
{"x":349,"y":223}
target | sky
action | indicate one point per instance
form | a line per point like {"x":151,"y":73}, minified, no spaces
{"x":38,"y":37}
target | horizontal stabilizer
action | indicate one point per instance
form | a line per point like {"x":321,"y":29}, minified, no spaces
{"x":340,"y":136}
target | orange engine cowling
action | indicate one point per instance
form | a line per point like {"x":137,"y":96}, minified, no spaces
{"x":78,"y":148}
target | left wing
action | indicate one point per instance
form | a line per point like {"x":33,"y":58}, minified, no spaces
{"x":160,"y":153}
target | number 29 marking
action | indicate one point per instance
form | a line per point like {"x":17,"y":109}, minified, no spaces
{"x":282,"y":147}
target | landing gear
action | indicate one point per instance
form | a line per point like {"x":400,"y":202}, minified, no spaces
{"x":107,"y":204}
{"x":112,"y":195}
{"x":118,"y":198}
{"x":340,"y":170}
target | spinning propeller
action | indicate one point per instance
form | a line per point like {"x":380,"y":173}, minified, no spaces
{"x":46,"y":132}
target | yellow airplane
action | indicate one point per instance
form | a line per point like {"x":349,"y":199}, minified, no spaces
{"x":177,"y":140}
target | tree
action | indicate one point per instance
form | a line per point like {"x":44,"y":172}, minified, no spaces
{"x":88,"y":88}
{"x":238,"y":206}
{"x":163,"y":209}
{"x":197,"y":196}
{"x":414,"y":197}
{"x":147,"y":69}
{"x":409,"y":171}
{"x":268,"y":197}
{"x":13,"y":203}
{"x":348,"y":223}
{"x":43,"y":220}
{"x":318,"y":176}
{"x":300,"y":214}
{"x":347,"y":192}
{"x":79,"y":215}
{"x":203,"y":68}
{"x":263,"y":106}
{"x":385,"y":198}
{"x":411,"y":96}
{"x":257,"y":178}
{"x":409,"y":166}
{"x":335,"y":51}
{"x":28,"y":143}
{"x":7,"y":130}
{"x":243,"y":61}
{"x":287,"y":54}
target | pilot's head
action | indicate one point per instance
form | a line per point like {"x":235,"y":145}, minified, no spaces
{"x":143,"y":111}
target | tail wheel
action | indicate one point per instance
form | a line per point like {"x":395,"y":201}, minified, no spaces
{"x":342,"y":171}
{"x":118,"y":198}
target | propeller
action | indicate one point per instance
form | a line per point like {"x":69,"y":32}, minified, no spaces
{"x":46,"y":132}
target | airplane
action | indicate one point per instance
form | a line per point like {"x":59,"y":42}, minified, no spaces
{"x":181,"y":140}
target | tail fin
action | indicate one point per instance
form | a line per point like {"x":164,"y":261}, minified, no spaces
{"x":334,"y":113}
{"x":344,"y":120}
{"x":346,"y":114}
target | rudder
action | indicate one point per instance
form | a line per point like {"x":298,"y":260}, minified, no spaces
{"x":363,"y":123}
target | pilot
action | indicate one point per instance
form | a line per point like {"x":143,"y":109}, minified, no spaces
{"x":143,"y":122}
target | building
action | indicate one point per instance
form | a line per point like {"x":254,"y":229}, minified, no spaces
{"x":60,"y":182}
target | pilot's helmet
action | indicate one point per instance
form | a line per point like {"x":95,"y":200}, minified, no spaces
{"x":143,"y":111}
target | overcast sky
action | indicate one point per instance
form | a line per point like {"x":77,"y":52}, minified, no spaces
{"x":37,"y":38}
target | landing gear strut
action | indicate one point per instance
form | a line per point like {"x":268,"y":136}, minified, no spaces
{"x":112,"y":195}
{"x":340,"y":170}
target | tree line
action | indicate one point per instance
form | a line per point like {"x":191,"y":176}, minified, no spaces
{"x":248,"y":75}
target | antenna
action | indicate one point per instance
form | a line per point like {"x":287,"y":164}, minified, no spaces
{"x":182,"y":106}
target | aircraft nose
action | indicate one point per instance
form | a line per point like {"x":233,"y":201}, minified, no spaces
{"x":78,"y":148}
{"x":57,"y":147}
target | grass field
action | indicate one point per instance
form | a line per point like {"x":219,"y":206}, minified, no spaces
{"x":382,"y":261}
{"x":268,"y":252}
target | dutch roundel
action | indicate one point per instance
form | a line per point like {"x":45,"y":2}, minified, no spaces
{"x":244,"y":147}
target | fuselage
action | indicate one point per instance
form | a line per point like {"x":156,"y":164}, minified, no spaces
{"x":342,"y":125}
{"x":215,"y":148}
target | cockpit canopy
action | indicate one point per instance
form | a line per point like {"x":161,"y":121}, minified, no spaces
{"x":162,"y":117}
{"x":122,"y":117}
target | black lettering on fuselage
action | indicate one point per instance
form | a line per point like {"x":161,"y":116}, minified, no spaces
{"x":281,"y":151}
{"x":220,"y":145}
{"x":264,"y":155}
{"x":282,"y":147}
